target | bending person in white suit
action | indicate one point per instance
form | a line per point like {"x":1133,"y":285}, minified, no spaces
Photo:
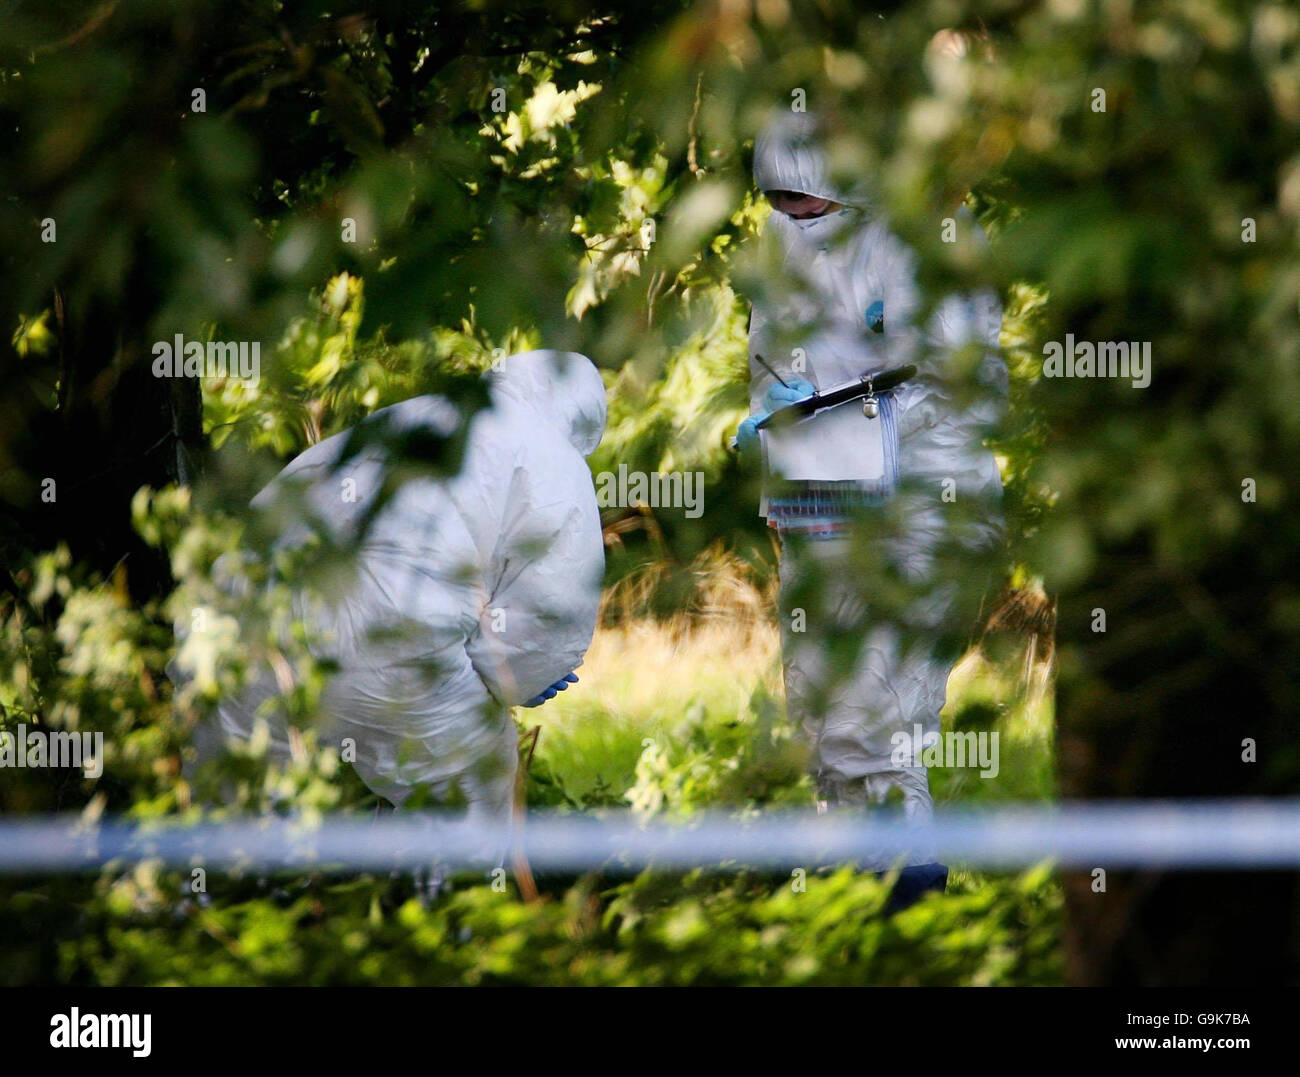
{"x":466,"y":595}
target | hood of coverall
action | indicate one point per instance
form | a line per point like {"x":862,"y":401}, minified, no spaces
{"x":565,"y":385}
{"x":789,"y":156}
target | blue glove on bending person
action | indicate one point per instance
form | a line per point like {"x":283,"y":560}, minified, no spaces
{"x":551,"y":691}
{"x":776,"y":397}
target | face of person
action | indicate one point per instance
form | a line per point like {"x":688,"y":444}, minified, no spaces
{"x":800,"y":206}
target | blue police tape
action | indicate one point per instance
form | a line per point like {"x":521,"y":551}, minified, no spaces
{"x":1230,"y":834}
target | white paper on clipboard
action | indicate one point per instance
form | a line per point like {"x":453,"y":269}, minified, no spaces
{"x":836,"y":445}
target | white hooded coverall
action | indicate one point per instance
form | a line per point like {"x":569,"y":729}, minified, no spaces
{"x":850,"y":268}
{"x":466,"y":595}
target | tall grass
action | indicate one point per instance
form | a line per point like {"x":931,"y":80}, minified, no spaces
{"x":701,"y":692}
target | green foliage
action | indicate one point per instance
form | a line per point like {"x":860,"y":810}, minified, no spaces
{"x":749,"y":760}
{"x":655,"y":930}
{"x":605,"y":208}
{"x":76,"y":655}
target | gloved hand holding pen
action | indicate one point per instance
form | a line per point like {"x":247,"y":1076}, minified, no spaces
{"x":776,"y":397}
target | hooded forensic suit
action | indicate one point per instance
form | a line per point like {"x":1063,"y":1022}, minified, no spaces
{"x":848,"y":311}
{"x":467,"y":594}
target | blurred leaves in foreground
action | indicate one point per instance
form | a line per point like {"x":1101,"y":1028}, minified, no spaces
{"x":605,"y":208}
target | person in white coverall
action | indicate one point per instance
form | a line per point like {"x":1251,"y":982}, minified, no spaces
{"x":845,"y":307}
{"x":467,"y":594}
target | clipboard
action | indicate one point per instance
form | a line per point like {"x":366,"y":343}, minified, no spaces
{"x":866,"y":385}
{"x":826,"y":437}
{"x":837,"y":444}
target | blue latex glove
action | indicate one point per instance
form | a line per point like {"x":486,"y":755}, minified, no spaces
{"x":551,"y":691}
{"x":777,"y":396}
{"x":746,"y":439}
